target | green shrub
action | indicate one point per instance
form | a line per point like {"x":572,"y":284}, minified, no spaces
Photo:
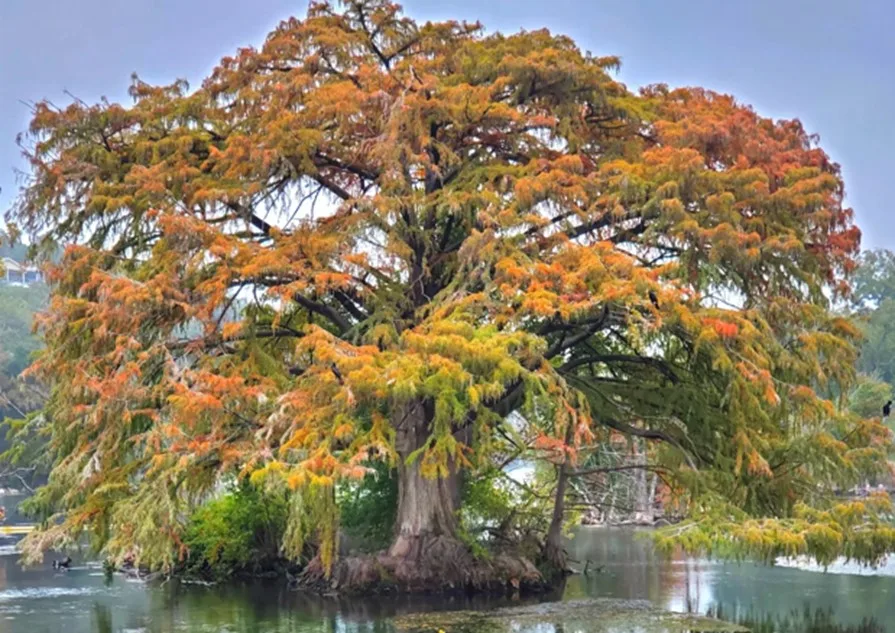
{"x":487,"y":501}
{"x":368,"y":508}
{"x":237,"y":533}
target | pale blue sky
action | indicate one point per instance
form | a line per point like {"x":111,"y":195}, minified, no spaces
{"x":830,"y":63}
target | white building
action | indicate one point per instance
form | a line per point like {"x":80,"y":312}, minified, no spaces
{"x":18,"y":274}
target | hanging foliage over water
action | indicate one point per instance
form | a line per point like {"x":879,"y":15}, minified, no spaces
{"x":430,"y":227}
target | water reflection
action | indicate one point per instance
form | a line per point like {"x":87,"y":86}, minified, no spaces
{"x":631,"y":569}
{"x":102,"y":618}
{"x":764,"y":599}
{"x":79,"y":601}
{"x":805,"y":621}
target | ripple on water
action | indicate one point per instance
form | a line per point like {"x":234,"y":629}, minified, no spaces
{"x":36,"y":593}
{"x":9,"y":550}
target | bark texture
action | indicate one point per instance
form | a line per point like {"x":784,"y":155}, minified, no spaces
{"x":555,"y":561}
{"x":427,"y":508}
{"x":426,"y":554}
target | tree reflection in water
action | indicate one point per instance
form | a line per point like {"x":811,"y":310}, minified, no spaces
{"x":805,"y":621}
{"x":102,"y":618}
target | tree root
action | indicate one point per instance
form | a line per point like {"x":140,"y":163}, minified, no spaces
{"x":434,"y":565}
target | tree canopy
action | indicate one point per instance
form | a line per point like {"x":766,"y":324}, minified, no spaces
{"x":429,"y":227}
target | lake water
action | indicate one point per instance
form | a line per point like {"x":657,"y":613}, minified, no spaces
{"x":768,"y":599}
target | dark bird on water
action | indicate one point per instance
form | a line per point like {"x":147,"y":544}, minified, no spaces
{"x":887,"y":409}
{"x":654,"y":299}
{"x":63,"y":564}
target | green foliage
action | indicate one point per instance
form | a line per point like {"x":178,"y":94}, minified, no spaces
{"x":874,"y":280}
{"x":487,"y":501}
{"x":867,"y":397}
{"x":26,"y":455}
{"x":487,"y":510}
{"x":855,"y":530}
{"x":238,"y":532}
{"x":491,"y":509}
{"x":11,"y":249}
{"x":515,"y":232}
{"x":17,"y":343}
{"x":368,"y":508}
{"x":510,"y":511}
{"x":312,"y":521}
{"x":874,"y":300}
{"x":23,"y":434}
{"x":878,"y":350}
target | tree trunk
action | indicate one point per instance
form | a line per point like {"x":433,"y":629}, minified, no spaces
{"x":426,"y":553}
{"x":642,"y":509}
{"x":427,"y":508}
{"x":554,"y":553}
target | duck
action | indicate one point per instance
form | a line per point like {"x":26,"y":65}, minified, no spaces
{"x":62,"y":565}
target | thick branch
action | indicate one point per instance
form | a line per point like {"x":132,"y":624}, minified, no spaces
{"x":649,"y":434}
{"x":332,"y":187}
{"x":209,"y":341}
{"x":612,"y":469}
{"x":350,"y":305}
{"x":258,"y":222}
{"x":509,"y":401}
{"x":656,"y":363}
{"x":325,"y":311}
{"x":322,"y":160}
{"x":566,"y":343}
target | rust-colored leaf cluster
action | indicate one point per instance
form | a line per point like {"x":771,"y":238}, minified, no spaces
{"x":366,"y":212}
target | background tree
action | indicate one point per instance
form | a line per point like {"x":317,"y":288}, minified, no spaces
{"x":8,"y":248}
{"x":874,"y":279}
{"x":22,"y":462}
{"x":868,"y":396}
{"x":433,"y":227}
{"x":873,"y":302}
{"x":17,"y":342}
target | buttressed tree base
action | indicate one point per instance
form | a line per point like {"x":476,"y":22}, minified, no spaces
{"x":373,"y":240}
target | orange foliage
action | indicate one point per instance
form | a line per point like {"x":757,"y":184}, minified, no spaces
{"x":724,"y":329}
{"x":344,"y":228}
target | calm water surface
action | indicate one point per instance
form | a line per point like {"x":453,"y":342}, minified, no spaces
{"x":781,"y":600}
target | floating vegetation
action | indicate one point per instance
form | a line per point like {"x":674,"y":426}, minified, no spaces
{"x":580,"y":616}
